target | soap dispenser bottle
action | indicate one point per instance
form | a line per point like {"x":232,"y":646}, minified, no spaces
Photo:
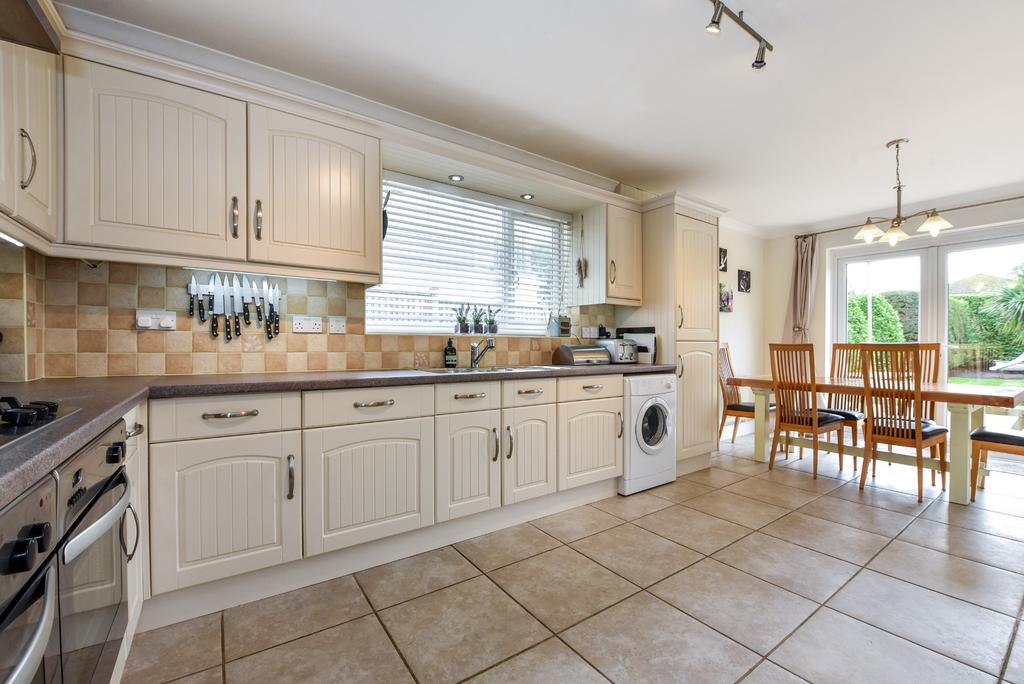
{"x":450,"y":357}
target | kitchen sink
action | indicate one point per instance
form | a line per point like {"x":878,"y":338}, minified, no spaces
{"x":500,"y":369}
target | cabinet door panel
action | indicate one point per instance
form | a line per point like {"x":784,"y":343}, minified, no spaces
{"x":528,"y":452}
{"x":8,"y":129}
{"x":152,"y":165}
{"x":625,"y":253}
{"x":221,"y":507}
{"x":365,"y":482}
{"x":319,"y":188}
{"x":589,"y":441}
{"x":468,"y":467}
{"x":35,"y":112}
{"x":697,"y":399}
{"x":696,"y":279}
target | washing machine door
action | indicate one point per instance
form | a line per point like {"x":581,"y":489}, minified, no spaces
{"x":653,"y":425}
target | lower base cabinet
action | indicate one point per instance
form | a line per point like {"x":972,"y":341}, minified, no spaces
{"x":224,"y":506}
{"x":528,"y":456}
{"x":697,"y":398}
{"x":589,"y":441}
{"x":468,"y":453}
{"x":367,"y":481}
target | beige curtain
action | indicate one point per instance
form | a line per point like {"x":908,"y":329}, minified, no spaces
{"x":801,"y":297}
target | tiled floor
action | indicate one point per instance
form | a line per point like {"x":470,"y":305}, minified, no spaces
{"x":728,"y":574}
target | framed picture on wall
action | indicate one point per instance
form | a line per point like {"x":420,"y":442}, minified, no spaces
{"x":724,"y":298}
{"x":743,"y":281}
{"x":723,"y":259}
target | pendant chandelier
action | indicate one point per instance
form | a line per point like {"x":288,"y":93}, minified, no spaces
{"x":933,"y":222}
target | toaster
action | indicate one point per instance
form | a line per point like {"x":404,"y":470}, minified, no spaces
{"x":620,"y":350}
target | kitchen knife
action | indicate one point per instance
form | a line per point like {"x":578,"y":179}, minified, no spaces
{"x":246,"y":298}
{"x":218,"y":303}
{"x":269,"y":301}
{"x":213,"y":285}
{"x":256,"y":298}
{"x":192,"y":287}
{"x":228,"y":309}
{"x":277,"y":310}
{"x":236,"y":303}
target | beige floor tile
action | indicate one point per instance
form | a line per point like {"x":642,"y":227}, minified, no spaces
{"x":773,"y":493}
{"x":798,"y":479}
{"x":999,"y":503}
{"x":735,"y":508}
{"x":811,"y":574}
{"x":714,"y":477}
{"x":902,"y":478}
{"x":259,"y":625}
{"x":1015,"y":665}
{"x":738,"y":464}
{"x":175,"y":651}
{"x":698,"y":531}
{"x":355,"y":651}
{"x":828,"y":464}
{"x":960,"y":630}
{"x":881,"y":498}
{"x":974,"y":518}
{"x":831,"y":647}
{"x":461,"y":630}
{"x":680,"y":490}
{"x":841,"y":541}
{"x":643,"y":639}
{"x":506,"y":546}
{"x":633,"y":506}
{"x":215,"y":675}
{"x":562,"y":587}
{"x":770,"y":673}
{"x":1007,"y":554}
{"x":867,"y":518}
{"x":551,"y":661}
{"x":401,"y":580}
{"x":1006,"y":484}
{"x":984,"y":585}
{"x":640,"y":556}
{"x":740,"y":606}
{"x":576,"y":523}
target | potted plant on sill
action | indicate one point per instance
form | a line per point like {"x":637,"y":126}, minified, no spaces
{"x":478,"y":318}
{"x":461,"y":319}
{"x":491,"y":319}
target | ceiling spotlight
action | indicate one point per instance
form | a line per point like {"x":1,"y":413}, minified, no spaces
{"x":759,"y":62}
{"x":715,"y":25}
{"x":527,"y":196}
{"x":456,"y":178}
{"x":934,"y":223}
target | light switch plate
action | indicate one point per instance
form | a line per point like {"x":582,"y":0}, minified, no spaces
{"x":336,"y":325}
{"x":307,"y":324}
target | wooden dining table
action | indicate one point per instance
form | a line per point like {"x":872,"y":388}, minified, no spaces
{"x":965,"y":403}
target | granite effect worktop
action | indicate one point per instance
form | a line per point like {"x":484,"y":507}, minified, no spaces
{"x":103,"y":401}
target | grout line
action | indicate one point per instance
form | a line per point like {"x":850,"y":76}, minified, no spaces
{"x":223,"y":653}
{"x":387,"y":632}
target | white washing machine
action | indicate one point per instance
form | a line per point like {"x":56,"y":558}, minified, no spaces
{"x":649,"y":451}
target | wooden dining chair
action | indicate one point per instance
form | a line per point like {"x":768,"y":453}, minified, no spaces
{"x":846,"y":366}
{"x":732,"y":402}
{"x":796,"y":394}
{"x":984,"y":440}
{"x":931,"y":357}
{"x":895,"y":411}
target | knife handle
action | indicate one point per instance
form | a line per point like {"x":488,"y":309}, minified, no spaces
{"x":277,"y":323}
{"x":227,"y":328}
{"x":259,"y":312}
{"x":191,"y":305}
{"x":202,"y":309}
{"x":270,"y":323}
{"x":238,"y":326}
{"x":213,"y":325}
{"x":245,"y":313}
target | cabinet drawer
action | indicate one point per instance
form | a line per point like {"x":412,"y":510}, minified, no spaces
{"x":528,"y":392}
{"x":365,"y":405}
{"x":233,"y":414}
{"x":459,"y":397}
{"x":589,"y":387}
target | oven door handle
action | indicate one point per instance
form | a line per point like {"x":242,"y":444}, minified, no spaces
{"x":91,"y":534}
{"x":28,"y":665}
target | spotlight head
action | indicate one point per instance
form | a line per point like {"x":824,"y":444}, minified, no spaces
{"x":759,"y":62}
{"x":715,"y":25}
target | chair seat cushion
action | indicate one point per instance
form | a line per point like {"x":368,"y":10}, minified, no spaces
{"x":1008,"y":437}
{"x":929,"y":428}
{"x":847,"y":415}
{"x":746,"y":406}
{"x":824,"y":417}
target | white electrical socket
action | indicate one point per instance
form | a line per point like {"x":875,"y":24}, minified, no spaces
{"x":590,"y":333}
{"x":336,"y":325}
{"x":307,"y":324}
{"x":155,"y":319}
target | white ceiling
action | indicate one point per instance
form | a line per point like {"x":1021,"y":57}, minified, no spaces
{"x":638,"y":91}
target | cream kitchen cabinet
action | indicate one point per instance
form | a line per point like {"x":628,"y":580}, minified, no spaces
{"x":28,"y":149}
{"x":589,"y":441}
{"x":468,"y":454}
{"x":224,"y":506}
{"x":314,"y":193}
{"x":610,"y":241}
{"x":529,"y":457}
{"x":697,"y":403}
{"x":696,"y":279}
{"x":367,"y":481}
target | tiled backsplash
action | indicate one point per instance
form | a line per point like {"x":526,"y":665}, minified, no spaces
{"x":66,"y":318}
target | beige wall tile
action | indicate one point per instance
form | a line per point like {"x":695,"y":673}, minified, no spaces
{"x":92,"y":364}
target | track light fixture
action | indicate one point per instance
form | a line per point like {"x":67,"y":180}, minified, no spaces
{"x":715,"y":27}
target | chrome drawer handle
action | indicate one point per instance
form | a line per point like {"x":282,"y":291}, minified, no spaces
{"x":130,"y":555}
{"x":231,"y":414}
{"x":508,"y":456}
{"x":135,"y":431}
{"x":258,"y":221}
{"x":680,"y":316}
{"x":621,"y":426}
{"x":234,"y":217}
{"x":475,"y":395}
{"x":614,"y":272}
{"x":537,"y":390}
{"x":497,"y":445}
{"x":374,"y":404}
{"x":32,"y":149}
{"x":596,"y":388}
{"x":681,"y":367}
{"x":291,"y":476}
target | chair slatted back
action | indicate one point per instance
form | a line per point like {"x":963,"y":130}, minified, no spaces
{"x":931,"y":357}
{"x":892,"y":390}
{"x":846,"y":364}
{"x":794,"y":383}
{"x":730,"y":393}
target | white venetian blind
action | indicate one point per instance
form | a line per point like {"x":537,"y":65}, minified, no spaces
{"x":447,"y":247}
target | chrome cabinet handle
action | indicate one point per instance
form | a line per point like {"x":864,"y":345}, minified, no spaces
{"x":497,"y":445}
{"x":258,"y":221}
{"x":129,"y":555}
{"x":291,"y":476}
{"x":27,"y":667}
{"x":680,"y":316}
{"x":621,"y":426}
{"x":77,"y":545}
{"x":231,"y":414}
{"x":536,"y":390}
{"x":374,"y":404}
{"x":136,"y":430}
{"x":613,"y":272}
{"x":475,"y":395}
{"x":32,"y":149}
{"x":596,"y":387}
{"x":234,"y":217}
{"x":508,"y":456}
{"x":680,"y":373}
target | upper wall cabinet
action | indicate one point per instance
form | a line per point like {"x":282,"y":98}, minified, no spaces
{"x":28,"y":126}
{"x":610,"y":241}
{"x":696,"y":283}
{"x":153,"y":166}
{"x":315,"y":193}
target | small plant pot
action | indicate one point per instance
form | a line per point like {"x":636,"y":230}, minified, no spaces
{"x":493,"y":328}
{"x":462,"y":328}
{"x":478,"y":328}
